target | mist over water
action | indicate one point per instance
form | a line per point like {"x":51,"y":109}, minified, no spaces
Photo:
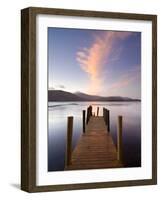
{"x":57,"y":126}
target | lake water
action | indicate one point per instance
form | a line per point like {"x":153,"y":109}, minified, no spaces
{"x":57,"y":126}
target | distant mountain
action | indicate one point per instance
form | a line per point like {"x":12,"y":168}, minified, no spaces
{"x":87,"y":96}
{"x":60,"y":95}
{"x":101,"y":98}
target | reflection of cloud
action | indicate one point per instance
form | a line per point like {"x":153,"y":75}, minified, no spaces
{"x":93,"y":58}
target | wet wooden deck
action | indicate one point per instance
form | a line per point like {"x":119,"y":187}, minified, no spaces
{"x":95,"y":148}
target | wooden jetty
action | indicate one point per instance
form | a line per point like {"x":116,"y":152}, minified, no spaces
{"x":95,"y":148}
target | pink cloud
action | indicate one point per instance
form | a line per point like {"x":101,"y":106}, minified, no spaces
{"x":92,"y":59}
{"x":126,"y":79}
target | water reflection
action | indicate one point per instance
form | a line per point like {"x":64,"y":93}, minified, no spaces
{"x":58,"y":112}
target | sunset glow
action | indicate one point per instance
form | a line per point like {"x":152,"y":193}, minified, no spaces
{"x":95,"y":62}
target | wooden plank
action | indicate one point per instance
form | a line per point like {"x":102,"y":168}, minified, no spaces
{"x":95,"y":149}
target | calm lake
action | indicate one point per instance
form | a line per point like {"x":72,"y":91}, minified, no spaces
{"x":57,"y":126}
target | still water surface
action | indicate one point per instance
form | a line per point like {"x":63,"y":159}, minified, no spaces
{"x":57,"y":125}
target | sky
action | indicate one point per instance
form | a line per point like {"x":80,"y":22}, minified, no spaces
{"x":97,"y":62}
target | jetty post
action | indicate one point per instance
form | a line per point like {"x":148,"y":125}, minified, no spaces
{"x":87,"y":119}
{"x":89,"y":113}
{"x":69,"y":141}
{"x":108,"y":119}
{"x":97,"y":111}
{"x":84,"y":120}
{"x":104,"y":113}
{"x":106,"y":116}
{"x":119,"y":139}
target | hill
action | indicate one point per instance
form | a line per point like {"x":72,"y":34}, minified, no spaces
{"x":60,"y":95}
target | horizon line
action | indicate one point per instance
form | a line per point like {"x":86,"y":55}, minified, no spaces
{"x":52,"y":89}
